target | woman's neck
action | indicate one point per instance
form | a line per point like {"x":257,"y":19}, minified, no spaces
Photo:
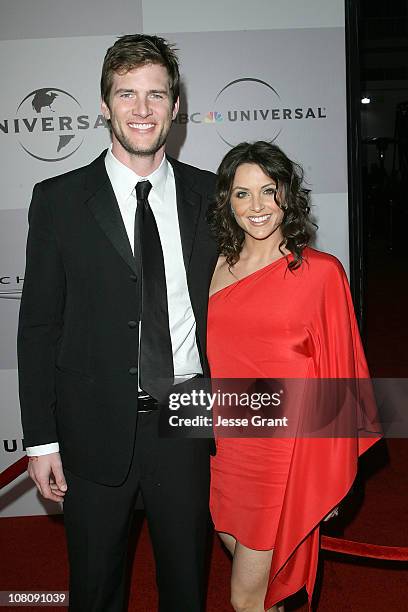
{"x":263,"y":251}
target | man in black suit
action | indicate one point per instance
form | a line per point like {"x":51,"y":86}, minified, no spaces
{"x":119,"y":261}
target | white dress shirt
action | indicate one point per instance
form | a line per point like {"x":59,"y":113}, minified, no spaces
{"x":163,"y":202}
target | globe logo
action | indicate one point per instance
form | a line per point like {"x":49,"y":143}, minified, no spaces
{"x":49,"y":124}
{"x":248,"y":111}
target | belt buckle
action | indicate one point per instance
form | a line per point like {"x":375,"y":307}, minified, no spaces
{"x":145,"y":402}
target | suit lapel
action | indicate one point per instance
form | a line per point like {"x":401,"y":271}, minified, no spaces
{"x":102,"y":203}
{"x":101,"y":200}
{"x":188,"y":208}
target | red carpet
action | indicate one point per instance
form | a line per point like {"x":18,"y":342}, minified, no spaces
{"x":34,"y":554}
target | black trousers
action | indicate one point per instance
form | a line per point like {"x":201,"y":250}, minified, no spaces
{"x":173,"y":476}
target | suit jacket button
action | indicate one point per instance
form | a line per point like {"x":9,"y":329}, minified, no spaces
{"x":133,"y":370}
{"x":133,"y":277}
{"x":132,"y":324}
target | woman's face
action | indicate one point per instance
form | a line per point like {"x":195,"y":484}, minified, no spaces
{"x":253,"y":203}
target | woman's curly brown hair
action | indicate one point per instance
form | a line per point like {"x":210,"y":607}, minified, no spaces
{"x":291,"y":197}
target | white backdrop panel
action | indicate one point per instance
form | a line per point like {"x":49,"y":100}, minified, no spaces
{"x":212,"y":15}
{"x":13,"y":232}
{"x":50,"y":111}
{"x":296,"y":97}
{"x":50,"y":18}
{"x":44,"y":126}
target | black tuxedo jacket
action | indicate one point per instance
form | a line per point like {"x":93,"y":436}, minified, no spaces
{"x":77,"y":341}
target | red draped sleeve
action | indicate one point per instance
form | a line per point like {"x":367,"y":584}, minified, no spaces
{"x":322,"y":469}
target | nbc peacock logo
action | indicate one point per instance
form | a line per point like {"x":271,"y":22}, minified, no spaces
{"x":213,"y":117}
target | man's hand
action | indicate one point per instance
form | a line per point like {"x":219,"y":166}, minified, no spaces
{"x":48,"y":475}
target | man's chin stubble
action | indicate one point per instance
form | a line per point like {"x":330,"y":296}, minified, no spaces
{"x":142,"y":152}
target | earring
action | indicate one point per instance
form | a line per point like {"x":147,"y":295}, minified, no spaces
{"x":232,"y":211}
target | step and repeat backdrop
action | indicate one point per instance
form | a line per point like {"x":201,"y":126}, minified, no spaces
{"x":270,"y":69}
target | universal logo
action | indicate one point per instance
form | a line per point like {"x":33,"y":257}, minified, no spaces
{"x":14,"y":445}
{"x":11,"y":287}
{"x":50,"y":124}
{"x":260,"y":115}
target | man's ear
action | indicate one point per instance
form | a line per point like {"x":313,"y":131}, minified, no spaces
{"x":175,"y":109}
{"x":105,"y":110}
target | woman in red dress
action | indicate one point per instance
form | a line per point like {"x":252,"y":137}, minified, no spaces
{"x":278,"y":309}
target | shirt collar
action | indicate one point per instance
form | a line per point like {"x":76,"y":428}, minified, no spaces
{"x":124,"y":179}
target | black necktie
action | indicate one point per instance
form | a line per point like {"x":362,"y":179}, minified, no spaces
{"x":156,"y":373}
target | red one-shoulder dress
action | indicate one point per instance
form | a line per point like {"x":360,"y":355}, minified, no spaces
{"x":272,"y":492}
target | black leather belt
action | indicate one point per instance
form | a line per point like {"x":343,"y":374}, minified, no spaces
{"x":146,"y":403}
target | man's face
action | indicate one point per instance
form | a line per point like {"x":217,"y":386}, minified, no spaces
{"x":140,"y":110}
